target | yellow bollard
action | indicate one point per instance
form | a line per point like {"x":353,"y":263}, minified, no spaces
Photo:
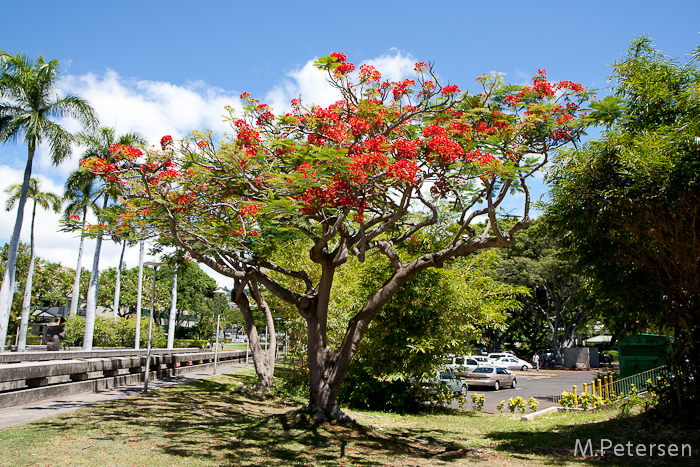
{"x":600,"y":388}
{"x":575,"y":398}
{"x":612,"y":387}
{"x":585,"y":388}
{"x":606,"y":386}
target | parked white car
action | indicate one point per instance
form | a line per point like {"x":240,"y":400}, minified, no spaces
{"x":480,"y":359}
{"x":495,"y":356}
{"x":512,"y":363}
{"x":461,"y":365}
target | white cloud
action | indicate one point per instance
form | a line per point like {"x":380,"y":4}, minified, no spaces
{"x":154,"y":109}
{"x":311,"y":84}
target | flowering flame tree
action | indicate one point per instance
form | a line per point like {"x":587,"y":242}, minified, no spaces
{"x":365,"y":174}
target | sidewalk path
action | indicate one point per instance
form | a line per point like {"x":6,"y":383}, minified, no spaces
{"x":20,"y":414}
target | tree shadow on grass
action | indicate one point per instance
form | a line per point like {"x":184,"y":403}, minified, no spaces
{"x":211,"y":421}
{"x":557,"y":444}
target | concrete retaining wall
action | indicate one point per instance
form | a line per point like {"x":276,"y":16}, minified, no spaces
{"x":26,"y":382}
{"x":17,"y":357}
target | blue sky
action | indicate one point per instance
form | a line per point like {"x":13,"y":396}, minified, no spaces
{"x":169,"y":67}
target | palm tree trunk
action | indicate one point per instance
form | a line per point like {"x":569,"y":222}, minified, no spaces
{"x":91,"y":306}
{"x":76,"y":285}
{"x":137,"y":340}
{"x":173,"y":310}
{"x":27,"y":300}
{"x":118,"y":283}
{"x":7,"y":290}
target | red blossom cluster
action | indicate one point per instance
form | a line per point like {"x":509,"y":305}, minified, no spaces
{"x":450,"y":90}
{"x":369,"y":74}
{"x":420,"y":67}
{"x":183,"y":199}
{"x":250,"y":210}
{"x":403,"y":170}
{"x":98,"y":166}
{"x":169,"y":174}
{"x":482,"y":158}
{"x":247,"y":138}
{"x":345,"y":67}
{"x":405,"y":148}
{"x":441,"y":187}
{"x":542,"y":88}
{"x":402,"y":88}
{"x":440,"y":147}
{"x":166,"y":141}
{"x":244,"y":232}
{"x":123,"y":152}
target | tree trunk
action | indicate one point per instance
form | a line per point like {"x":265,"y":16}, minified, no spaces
{"x":76,"y":285}
{"x":91,"y":306}
{"x":264,"y":362}
{"x":118,"y":283}
{"x":173,"y":310}
{"x":27,"y":299}
{"x":137,"y":340}
{"x":7,"y":290}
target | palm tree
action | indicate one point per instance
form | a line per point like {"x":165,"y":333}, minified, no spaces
{"x":81,"y":194}
{"x":28,"y":105}
{"x":97,"y":144}
{"x":45,"y":201}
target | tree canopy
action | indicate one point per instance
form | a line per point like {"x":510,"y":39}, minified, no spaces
{"x":626,"y":206}
{"x":368,"y":173}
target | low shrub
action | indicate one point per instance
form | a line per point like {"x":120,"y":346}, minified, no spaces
{"x":517,"y":403}
{"x":533,"y":404}
{"x":568,"y":400}
{"x":477,"y":402}
{"x":586,"y":400}
{"x":189,"y":343}
{"x":361,"y":390}
{"x":108,"y":332}
{"x":501,"y":405}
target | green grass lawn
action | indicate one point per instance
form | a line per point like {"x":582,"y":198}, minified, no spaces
{"x":235,"y":346}
{"x":208,"y":423}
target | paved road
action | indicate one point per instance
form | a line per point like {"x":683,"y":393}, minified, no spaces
{"x":20,"y":414}
{"x":541,"y":385}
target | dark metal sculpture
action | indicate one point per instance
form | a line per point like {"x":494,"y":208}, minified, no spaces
{"x":55,"y":334}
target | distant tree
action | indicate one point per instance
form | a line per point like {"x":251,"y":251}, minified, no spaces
{"x":99,"y":144}
{"x":28,"y":106}
{"x":627,"y":207}
{"x":51,"y":282}
{"x":45,"y":201}
{"x":558,"y":302}
{"x":80,"y":196}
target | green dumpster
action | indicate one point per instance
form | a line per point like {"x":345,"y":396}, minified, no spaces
{"x":642,"y":352}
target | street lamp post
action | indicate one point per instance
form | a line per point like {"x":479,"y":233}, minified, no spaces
{"x":219,"y":292}
{"x":155,"y":265}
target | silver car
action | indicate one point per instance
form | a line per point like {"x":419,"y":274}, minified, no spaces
{"x":491,"y":376}
{"x":512,"y":363}
{"x":454,"y":384}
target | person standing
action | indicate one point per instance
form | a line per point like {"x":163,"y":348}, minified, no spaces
{"x":536,"y":361}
